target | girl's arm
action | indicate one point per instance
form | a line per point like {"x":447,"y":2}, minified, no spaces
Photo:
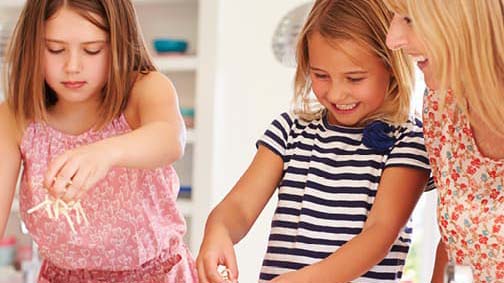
{"x":398,"y":192}
{"x":440,"y":264}
{"x":157,"y":138}
{"x":233,"y":217}
{"x":10,"y":164}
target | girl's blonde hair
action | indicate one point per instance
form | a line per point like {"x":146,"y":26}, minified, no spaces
{"x":29,"y":96}
{"x":465,"y":40}
{"x":365,"y":22}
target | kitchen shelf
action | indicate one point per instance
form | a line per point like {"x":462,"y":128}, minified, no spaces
{"x":185,"y":206}
{"x":176,"y":63}
{"x":190,"y":136}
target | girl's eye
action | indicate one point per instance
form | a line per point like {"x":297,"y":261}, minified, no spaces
{"x":92,"y":52}
{"x":320,"y":76}
{"x":55,"y":51}
{"x":407,"y":20}
{"x":355,"y":80}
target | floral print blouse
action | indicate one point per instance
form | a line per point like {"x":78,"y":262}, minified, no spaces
{"x":470,"y":186}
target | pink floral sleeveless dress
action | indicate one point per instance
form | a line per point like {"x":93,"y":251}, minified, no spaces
{"x":471,"y":193}
{"x":135,"y":230}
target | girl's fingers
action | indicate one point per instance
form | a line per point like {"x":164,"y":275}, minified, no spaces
{"x":232,"y":266}
{"x":59,"y":187}
{"x":210,"y":263}
{"x":79,"y":186}
{"x":86,"y":185}
{"x":63,"y":181}
{"x":201,"y":273}
{"x":54,"y":167}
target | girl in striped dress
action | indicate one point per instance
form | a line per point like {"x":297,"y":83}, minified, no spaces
{"x":348,"y":168}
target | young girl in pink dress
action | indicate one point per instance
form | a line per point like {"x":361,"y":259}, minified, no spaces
{"x":96,"y":129}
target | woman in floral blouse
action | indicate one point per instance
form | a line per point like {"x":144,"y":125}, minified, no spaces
{"x":459,"y":46}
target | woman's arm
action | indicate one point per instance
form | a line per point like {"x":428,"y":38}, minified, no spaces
{"x":233,"y":217}
{"x":10,"y":164}
{"x":440,"y":264}
{"x":398,"y":192}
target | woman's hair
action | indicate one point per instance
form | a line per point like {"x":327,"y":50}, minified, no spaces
{"x":29,"y":96}
{"x":465,"y":40}
{"x":364,"y":22}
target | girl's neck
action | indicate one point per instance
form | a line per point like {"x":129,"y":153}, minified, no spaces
{"x":73,"y":118}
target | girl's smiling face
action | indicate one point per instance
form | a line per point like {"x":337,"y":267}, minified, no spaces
{"x":349,"y":80}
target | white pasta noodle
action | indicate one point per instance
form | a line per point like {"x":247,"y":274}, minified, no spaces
{"x":57,"y":207}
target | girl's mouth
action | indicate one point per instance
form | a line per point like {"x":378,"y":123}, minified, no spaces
{"x":345,"y":108}
{"x":74,"y":84}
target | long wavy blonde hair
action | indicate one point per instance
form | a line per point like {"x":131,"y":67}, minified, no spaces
{"x":465,"y":39}
{"x":29,"y":96}
{"x":365,"y":22}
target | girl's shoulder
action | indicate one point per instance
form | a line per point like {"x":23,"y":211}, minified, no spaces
{"x":293,"y":118}
{"x":412,"y":127}
{"x":147,"y":87}
{"x":9,"y":124}
{"x":288,"y":121}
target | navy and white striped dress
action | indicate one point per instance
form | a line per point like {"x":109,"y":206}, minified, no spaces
{"x":329,"y":184}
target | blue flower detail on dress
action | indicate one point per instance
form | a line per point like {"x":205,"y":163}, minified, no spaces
{"x":376,"y":135}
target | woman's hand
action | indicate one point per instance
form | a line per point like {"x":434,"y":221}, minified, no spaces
{"x":73,"y":173}
{"x":214,"y":251}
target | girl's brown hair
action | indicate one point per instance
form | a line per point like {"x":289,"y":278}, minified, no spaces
{"x":365,"y":22}
{"x":29,"y":96}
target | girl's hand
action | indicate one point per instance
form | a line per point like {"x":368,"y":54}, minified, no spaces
{"x":214,"y":253}
{"x":73,"y":173}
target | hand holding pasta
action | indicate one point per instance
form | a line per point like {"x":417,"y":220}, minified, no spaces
{"x":73,"y":173}
{"x":69,"y":177}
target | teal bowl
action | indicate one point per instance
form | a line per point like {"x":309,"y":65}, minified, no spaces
{"x":170,"y":45}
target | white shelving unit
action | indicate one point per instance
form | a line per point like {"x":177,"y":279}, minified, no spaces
{"x":179,"y":19}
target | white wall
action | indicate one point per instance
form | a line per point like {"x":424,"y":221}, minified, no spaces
{"x":252,"y":88}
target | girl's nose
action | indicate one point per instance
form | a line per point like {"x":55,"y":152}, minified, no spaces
{"x":339,"y":93}
{"x":396,"y":36}
{"x":73,"y":64}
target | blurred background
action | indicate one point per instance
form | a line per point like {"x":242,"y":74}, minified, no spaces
{"x":223,"y":57}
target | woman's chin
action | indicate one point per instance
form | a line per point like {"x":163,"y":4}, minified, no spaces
{"x":430,"y":80}
{"x":432,"y":84}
